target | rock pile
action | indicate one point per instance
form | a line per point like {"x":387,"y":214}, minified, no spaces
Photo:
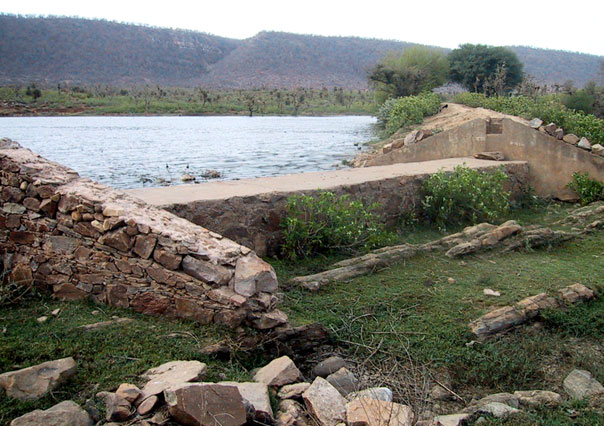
{"x":553,"y":130}
{"x":412,"y":138}
{"x":80,"y":239}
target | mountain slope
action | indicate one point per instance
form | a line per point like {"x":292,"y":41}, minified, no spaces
{"x":81,"y":51}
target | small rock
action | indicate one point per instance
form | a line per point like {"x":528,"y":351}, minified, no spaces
{"x":293,"y":391}
{"x":550,"y":128}
{"x":129,"y":392}
{"x":66,"y":413}
{"x":380,"y":393}
{"x":117,"y":408}
{"x":584,"y":143}
{"x":256,"y":396}
{"x":493,"y":156}
{"x":42,"y":319}
{"x":559,"y":133}
{"x":452,"y":419}
{"x":206,"y":404}
{"x":56,"y":312}
{"x":328,"y":366}
{"x":438,"y":393}
{"x":211,"y":174}
{"x":571,"y":139}
{"x":598,"y":149}
{"x":498,"y":409}
{"x":535,"y":123}
{"x":489,"y":292}
{"x":34,"y":382}
{"x":451,"y":280}
{"x":502,"y":398}
{"x":325,"y":402}
{"x":278,"y":372}
{"x":147,"y":405}
{"x":534,"y":398}
{"x":290,"y":413}
{"x":103,"y":324}
{"x":581,"y":384}
{"x":187,"y":177}
{"x":344,"y":381}
{"x":373,"y":412}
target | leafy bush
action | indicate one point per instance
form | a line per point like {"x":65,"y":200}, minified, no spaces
{"x":588,"y":189}
{"x":548,"y":108}
{"x":465,"y":196}
{"x":410,"y":110}
{"x":327,"y":223}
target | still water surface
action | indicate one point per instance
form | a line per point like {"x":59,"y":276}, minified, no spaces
{"x":131,"y":152}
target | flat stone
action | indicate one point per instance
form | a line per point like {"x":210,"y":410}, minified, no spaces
{"x":206,"y":271}
{"x":325,"y":403}
{"x":66,"y":413}
{"x":34,"y":382}
{"x":498,"y":409}
{"x":270,"y":320}
{"x":493,"y":156}
{"x":144,"y":245}
{"x":534,"y":398}
{"x":13,"y":208}
{"x":172,"y":373}
{"x":535,"y":123}
{"x":328,"y":366}
{"x":581,"y":384}
{"x":118,"y":240}
{"x":571,"y":139}
{"x":489,"y":292}
{"x":206,"y":404}
{"x":113,"y":211}
{"x":168,"y":260}
{"x":293,"y":391}
{"x":598,"y":149}
{"x":256,"y":395}
{"x":103,"y":324}
{"x":278,"y":372}
{"x":380,"y":393}
{"x":147,"y":405}
{"x":502,"y":397}
{"x":374,"y":412}
{"x":290,"y":413}
{"x":344,"y":381}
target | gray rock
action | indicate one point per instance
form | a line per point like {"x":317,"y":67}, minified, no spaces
{"x":198,"y":404}
{"x":344,"y":381}
{"x":493,"y":156}
{"x":66,"y":413}
{"x":328,"y":366}
{"x":35,"y":382}
{"x":534,"y":398}
{"x":502,"y":397}
{"x":598,"y":149}
{"x":278,"y":372}
{"x":12,"y":208}
{"x":535,"y":123}
{"x":584,"y":143}
{"x":581,"y":384}
{"x":380,"y":393}
{"x":325,"y":402}
{"x":438,"y":393}
{"x":498,"y":409}
{"x":206,"y":271}
{"x":172,"y":373}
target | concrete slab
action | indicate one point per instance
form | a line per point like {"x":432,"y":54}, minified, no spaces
{"x":222,"y":190}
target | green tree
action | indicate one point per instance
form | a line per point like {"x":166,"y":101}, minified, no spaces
{"x":476,"y":67}
{"x":415,"y":70}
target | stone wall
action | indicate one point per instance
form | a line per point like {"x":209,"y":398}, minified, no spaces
{"x":254,"y":221}
{"x":551,"y":161}
{"x":79,"y":239}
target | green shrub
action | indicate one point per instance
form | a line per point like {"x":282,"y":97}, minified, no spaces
{"x":588,"y":189}
{"x":465,"y":196}
{"x":548,"y":108}
{"x":410,"y":110}
{"x":327,"y":223}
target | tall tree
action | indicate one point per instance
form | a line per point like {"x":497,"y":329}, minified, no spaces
{"x":476,"y":67}
{"x":414,"y":70}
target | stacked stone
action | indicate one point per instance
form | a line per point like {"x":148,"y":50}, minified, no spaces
{"x":558,"y":132}
{"x":80,"y":239}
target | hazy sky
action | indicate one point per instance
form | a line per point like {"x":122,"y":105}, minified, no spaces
{"x":575,"y":26}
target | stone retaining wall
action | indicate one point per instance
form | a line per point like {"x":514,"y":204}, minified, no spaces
{"x":254,"y":221}
{"x":80,"y":239}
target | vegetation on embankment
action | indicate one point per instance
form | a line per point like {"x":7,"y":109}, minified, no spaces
{"x":547,"y":108}
{"x":156,"y":100}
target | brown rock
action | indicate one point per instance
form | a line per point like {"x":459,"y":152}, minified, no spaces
{"x":118,"y":240}
{"x":493,"y":156}
{"x":255,"y":395}
{"x":67,"y":291}
{"x":206,"y":271}
{"x":571,"y":139}
{"x":252,"y":275}
{"x":278,"y":372}
{"x":117,"y":295}
{"x":167,"y":259}
{"x":11,"y":195}
{"x":111,"y":223}
{"x":66,"y":413}
{"x":230,"y":317}
{"x":22,"y":274}
{"x":293,"y":391}
{"x":373,"y":412}
{"x":147,"y":405}
{"x":34,"y":382}
{"x":206,"y":404}
{"x":344,"y":381}
{"x":328,"y":366}
{"x":61,"y":244}
{"x":48,"y":207}
{"x":150,"y":303}
{"x":117,"y":408}
{"x":550,"y":128}
{"x":325,"y":403}
{"x":86,"y":229}
{"x":190,"y":309}
{"x":32,"y":204}
{"x":22,"y":237}
{"x":270,"y":320}
{"x":171,"y":374}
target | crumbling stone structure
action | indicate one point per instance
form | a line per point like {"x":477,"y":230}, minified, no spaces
{"x":80,"y":239}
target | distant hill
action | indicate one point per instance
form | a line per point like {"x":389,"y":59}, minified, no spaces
{"x":83,"y":51}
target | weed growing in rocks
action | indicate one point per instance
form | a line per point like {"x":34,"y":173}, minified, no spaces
{"x":587,"y":188}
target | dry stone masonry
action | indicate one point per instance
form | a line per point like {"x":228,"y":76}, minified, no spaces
{"x":80,"y":239}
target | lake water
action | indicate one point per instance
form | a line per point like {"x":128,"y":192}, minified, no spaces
{"x":131,"y":152}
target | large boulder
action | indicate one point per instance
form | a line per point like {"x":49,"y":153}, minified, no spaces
{"x":374,"y":412}
{"x":325,"y":403}
{"x":278,"y":372}
{"x":581,"y":384}
{"x":206,"y":404}
{"x":172,"y":373}
{"x":35,"y":382}
{"x":66,"y":413}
